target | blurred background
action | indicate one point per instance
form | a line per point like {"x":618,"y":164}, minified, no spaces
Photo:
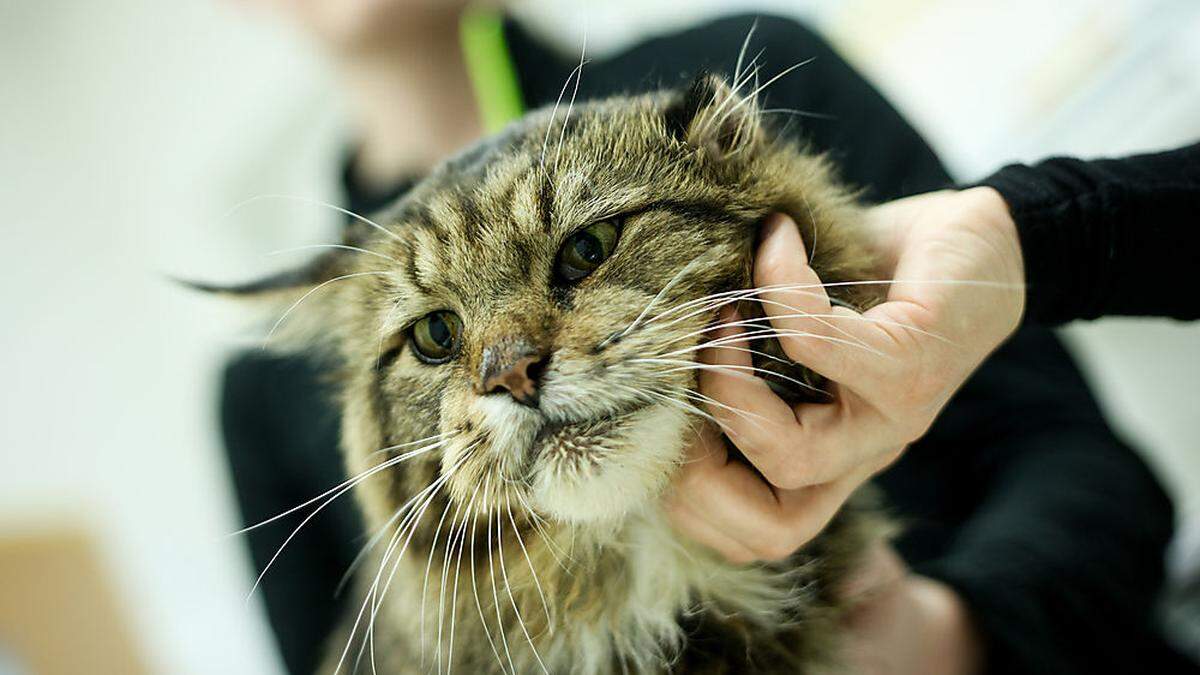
{"x":129,"y":130}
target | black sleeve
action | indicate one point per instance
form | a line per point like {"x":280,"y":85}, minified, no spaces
{"x":1062,"y":563}
{"x":1115,"y":236}
{"x":1047,"y":524}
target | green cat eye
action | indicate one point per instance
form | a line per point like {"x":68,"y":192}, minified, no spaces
{"x":436,"y":336}
{"x":583,"y":251}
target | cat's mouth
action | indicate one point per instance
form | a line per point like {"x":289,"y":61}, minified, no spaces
{"x":602,"y":468}
{"x":578,"y":438}
{"x":574,"y":449}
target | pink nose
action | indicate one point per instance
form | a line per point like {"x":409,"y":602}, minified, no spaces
{"x":512,"y":366}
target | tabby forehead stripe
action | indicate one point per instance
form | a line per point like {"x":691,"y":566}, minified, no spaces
{"x":545,"y":204}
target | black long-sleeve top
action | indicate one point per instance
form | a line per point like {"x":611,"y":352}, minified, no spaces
{"x":1105,"y":237}
{"x":1020,"y":497}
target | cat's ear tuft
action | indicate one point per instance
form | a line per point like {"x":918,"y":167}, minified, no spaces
{"x":281,"y":293}
{"x":709,"y":115}
{"x":287,"y":282}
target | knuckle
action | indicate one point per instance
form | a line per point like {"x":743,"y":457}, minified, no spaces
{"x":770,"y":268}
{"x":739,"y":556}
{"x":788,"y":474}
{"x":779,"y":549}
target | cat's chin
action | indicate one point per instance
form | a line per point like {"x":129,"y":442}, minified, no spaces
{"x":600,"y":472}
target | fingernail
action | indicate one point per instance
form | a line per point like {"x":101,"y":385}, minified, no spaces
{"x":780,"y":231}
{"x":773,"y":222}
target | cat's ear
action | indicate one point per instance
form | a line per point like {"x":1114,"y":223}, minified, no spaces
{"x":709,"y":115}
{"x":304,"y":310}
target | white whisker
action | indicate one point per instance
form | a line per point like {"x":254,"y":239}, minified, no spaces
{"x":567,"y":118}
{"x":314,"y":289}
{"x":508,"y":587}
{"x":314,"y":202}
{"x":345,"y":247}
{"x":532,"y":571}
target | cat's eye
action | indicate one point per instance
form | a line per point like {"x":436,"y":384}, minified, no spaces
{"x":436,"y":336}
{"x":583,"y":251}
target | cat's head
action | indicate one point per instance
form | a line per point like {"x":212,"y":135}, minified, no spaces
{"x":521,"y":326}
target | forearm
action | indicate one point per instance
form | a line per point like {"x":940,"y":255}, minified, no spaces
{"x":1108,"y":236}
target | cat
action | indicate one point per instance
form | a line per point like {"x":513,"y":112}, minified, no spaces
{"x":513,"y":343}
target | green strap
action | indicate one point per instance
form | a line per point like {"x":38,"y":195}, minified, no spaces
{"x":490,"y":66}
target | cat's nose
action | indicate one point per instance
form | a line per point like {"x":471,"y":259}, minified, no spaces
{"x":515,"y":367}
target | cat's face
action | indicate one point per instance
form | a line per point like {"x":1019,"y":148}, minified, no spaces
{"x":534,"y":308}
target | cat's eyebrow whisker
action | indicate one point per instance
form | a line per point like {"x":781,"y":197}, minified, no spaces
{"x":312,"y":202}
{"x":508,"y":587}
{"x":740,"y":79}
{"x":314,"y":289}
{"x":570,"y":106}
{"x":577,"y":71}
{"x":737,"y":69}
{"x":383,"y":331}
{"x":344,"y":247}
{"x":797,"y":113}
{"x":757,"y":90}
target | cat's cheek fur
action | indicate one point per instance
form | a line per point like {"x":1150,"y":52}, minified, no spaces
{"x":608,"y":482}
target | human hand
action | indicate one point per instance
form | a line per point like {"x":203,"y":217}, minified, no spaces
{"x":902,"y":623}
{"x":957,"y":294}
{"x":347,"y":25}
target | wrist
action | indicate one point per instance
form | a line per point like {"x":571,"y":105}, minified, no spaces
{"x":951,"y":643}
{"x":989,"y":214}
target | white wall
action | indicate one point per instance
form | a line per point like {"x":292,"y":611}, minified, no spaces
{"x":129,"y":128}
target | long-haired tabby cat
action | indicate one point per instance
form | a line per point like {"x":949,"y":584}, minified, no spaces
{"x":515,"y":346}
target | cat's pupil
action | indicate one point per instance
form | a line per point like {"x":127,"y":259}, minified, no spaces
{"x":439,"y":331}
{"x":589,"y":248}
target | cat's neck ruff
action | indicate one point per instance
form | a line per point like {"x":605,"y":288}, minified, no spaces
{"x":611,"y":602}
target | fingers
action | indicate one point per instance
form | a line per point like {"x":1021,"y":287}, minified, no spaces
{"x":727,"y":506}
{"x":704,"y":533}
{"x":755,"y":418}
{"x":837,"y":439}
{"x":792,"y":448}
{"x":829,"y":339}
